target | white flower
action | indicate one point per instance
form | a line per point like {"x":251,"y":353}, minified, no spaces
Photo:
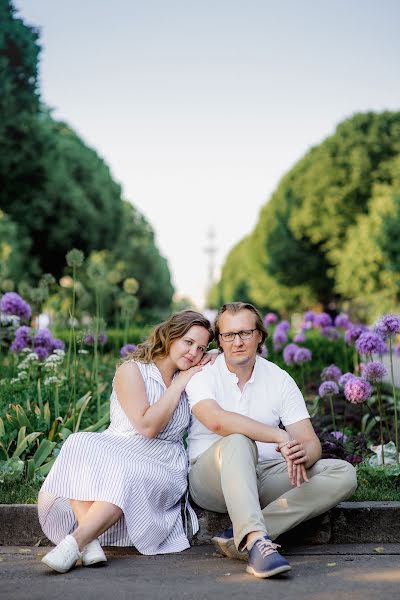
{"x":83,"y":351}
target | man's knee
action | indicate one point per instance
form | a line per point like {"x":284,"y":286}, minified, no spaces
{"x":237,"y":450}
{"x":239,"y":442}
{"x":347,"y":480}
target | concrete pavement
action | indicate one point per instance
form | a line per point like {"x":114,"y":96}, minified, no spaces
{"x":356,"y":572}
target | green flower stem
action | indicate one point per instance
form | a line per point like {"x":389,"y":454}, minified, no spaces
{"x":56,"y":402}
{"x":378,"y":394}
{"x":355,"y":360}
{"x":40,"y":399}
{"x":95,"y":370}
{"x":345,"y":355}
{"x":332,"y":413}
{"x":72,"y":327}
{"x":302,"y":379}
{"x":396,"y":429}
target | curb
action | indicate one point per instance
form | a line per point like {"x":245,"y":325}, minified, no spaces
{"x":347,"y":523}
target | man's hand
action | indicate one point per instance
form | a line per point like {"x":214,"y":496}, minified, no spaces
{"x":296,"y":470}
{"x":297,"y":452}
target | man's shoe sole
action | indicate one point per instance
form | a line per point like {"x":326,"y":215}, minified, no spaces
{"x":272,"y":573}
{"x":227,"y":548}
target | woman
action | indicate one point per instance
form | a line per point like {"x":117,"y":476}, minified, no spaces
{"x":123,"y":487}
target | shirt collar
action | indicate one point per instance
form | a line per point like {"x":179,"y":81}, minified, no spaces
{"x":233,"y":376}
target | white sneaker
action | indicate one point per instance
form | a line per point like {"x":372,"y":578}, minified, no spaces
{"x":93,"y":554}
{"x":64,"y":556}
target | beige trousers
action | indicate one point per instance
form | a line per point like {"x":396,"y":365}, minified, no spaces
{"x":258,"y":495}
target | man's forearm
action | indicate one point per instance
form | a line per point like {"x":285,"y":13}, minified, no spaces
{"x":228,"y":423}
{"x":314,"y":453}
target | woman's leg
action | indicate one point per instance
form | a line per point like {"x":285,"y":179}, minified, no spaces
{"x":80,"y":508}
{"x":93,"y":520}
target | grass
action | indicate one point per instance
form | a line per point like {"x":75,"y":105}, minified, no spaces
{"x":374,"y":484}
{"x":377,"y":484}
{"x":19,"y":493}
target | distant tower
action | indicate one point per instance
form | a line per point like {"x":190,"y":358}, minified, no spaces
{"x":211,"y":251}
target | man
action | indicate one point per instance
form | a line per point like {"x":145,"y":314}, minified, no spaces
{"x":267,"y":479}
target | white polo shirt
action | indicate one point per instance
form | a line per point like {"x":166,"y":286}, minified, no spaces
{"x":269,"y":396}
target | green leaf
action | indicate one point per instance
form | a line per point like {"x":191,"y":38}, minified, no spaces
{"x":44,"y":450}
{"x":44,"y":469}
{"x":22,"y":418}
{"x":99,"y":424}
{"x":24,"y":442}
{"x":82,"y":410}
{"x":30,"y":469}
{"x":47,"y":415}
{"x":53,"y":431}
{"x":64,"y":433}
{"x":2,"y":428}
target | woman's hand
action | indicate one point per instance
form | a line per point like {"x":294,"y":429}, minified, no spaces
{"x":209,"y":357}
{"x":183,"y":377}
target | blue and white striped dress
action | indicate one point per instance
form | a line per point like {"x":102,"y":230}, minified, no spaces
{"x":146,"y":478}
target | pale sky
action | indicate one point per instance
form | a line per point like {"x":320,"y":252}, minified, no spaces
{"x":200,"y":107}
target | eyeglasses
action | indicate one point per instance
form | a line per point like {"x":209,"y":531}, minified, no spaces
{"x":229,"y":336}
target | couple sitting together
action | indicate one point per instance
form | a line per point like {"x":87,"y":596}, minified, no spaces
{"x":124,"y":486}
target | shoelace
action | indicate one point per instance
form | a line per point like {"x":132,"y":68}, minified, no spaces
{"x":266,"y":547}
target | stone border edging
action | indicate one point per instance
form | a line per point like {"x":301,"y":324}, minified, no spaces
{"x":348,"y":523}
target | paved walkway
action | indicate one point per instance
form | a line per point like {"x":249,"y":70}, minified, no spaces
{"x":345,"y":572}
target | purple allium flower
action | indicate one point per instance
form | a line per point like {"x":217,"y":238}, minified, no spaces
{"x":127,"y":349}
{"x":283,"y":325}
{"x":44,"y":343}
{"x":103,"y":339}
{"x":302,"y":355}
{"x":322,"y":320}
{"x":300,"y":337}
{"x":342,"y":320}
{"x":43,"y":338}
{"x":345,"y":378}
{"x":330,"y":333}
{"x":328,"y":388}
{"x":279,"y":339}
{"x":331,"y":373}
{"x":58,"y":345}
{"x":289,"y":352}
{"x":353,"y":333}
{"x":370,"y":342}
{"x":89,"y":339}
{"x":309,"y":316}
{"x":270,"y":318}
{"x":23,"y":339}
{"x":339,"y":435}
{"x":388,"y":325}
{"x":12,"y":304}
{"x":42,"y":352}
{"x":264,"y":351}
{"x":374,"y":371}
{"x":357,"y":390}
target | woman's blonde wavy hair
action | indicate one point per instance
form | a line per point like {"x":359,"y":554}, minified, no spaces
{"x":161,"y":337}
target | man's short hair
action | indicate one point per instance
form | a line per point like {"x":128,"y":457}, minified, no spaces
{"x":235,"y":307}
